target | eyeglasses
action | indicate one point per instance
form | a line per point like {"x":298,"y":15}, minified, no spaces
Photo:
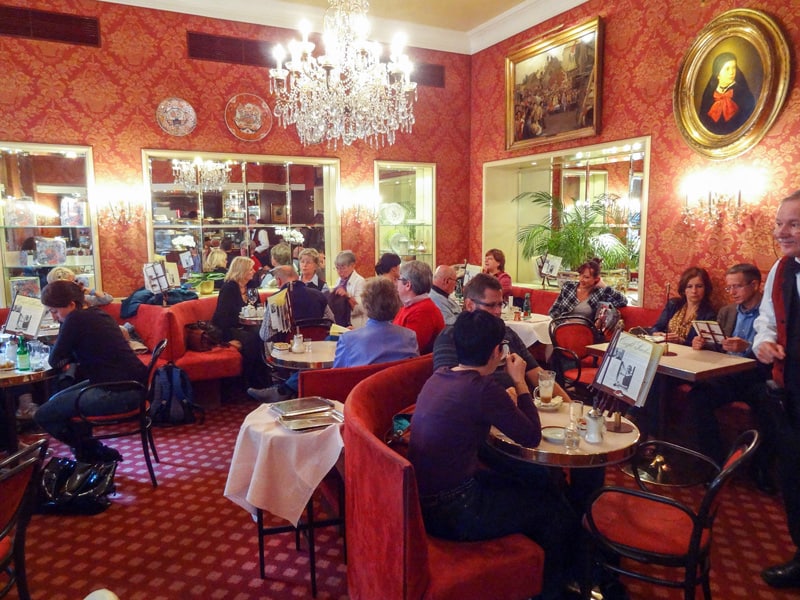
{"x":489,"y":304}
{"x":737,"y":286}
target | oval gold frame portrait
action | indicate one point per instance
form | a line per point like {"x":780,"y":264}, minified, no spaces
{"x":762,"y":56}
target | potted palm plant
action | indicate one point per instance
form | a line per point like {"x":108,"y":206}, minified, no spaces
{"x":576,"y":233}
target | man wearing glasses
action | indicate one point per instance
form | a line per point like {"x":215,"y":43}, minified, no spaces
{"x":743,"y":284}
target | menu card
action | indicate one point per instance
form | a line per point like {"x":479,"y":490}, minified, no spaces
{"x":25,"y":316}
{"x":710,"y":331}
{"x":628,"y":368}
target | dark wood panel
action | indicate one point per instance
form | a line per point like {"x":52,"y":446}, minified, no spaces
{"x":50,"y":26}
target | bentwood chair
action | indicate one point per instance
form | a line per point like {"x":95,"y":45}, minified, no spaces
{"x":649,"y":529}
{"x":18,"y":488}
{"x":133,"y":422}
{"x":575,"y":368}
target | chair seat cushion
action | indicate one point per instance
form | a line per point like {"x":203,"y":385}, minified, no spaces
{"x":217,"y":363}
{"x":636,"y":522}
{"x":508,"y":567}
{"x":99,"y":419}
{"x":587,"y":375}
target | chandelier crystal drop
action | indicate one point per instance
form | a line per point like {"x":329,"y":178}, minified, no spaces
{"x":346,"y":94}
{"x":201,"y":175}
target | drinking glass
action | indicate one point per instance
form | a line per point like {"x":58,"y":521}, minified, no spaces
{"x":307,"y":343}
{"x":547,"y":381}
{"x":572,"y":437}
{"x":575,"y":412}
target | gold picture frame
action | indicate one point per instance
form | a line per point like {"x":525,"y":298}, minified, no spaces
{"x":732,"y":83}
{"x":277,"y":213}
{"x":553,"y":87}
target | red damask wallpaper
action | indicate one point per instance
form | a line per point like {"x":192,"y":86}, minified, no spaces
{"x":106,"y":98}
{"x":645,"y":42}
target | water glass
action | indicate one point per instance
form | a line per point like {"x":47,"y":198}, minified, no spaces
{"x":575,"y":412}
{"x":307,"y":344}
{"x":572,"y":437}
{"x":547,"y":381}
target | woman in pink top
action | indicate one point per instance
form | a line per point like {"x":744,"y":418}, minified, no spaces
{"x":494,"y":264}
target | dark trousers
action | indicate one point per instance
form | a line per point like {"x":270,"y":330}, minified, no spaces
{"x":783,"y":410}
{"x":254,"y":370}
{"x":493,"y":505}
{"x":705,"y":398}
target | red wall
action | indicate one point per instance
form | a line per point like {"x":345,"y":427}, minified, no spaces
{"x":106,"y":98}
{"x":645,"y":42}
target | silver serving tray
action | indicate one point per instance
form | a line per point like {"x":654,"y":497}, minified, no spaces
{"x":313,"y":421}
{"x":302,"y":406}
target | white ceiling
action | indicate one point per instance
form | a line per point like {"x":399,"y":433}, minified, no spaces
{"x":462,"y":26}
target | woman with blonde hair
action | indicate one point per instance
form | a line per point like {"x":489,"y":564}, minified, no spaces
{"x":92,"y":297}
{"x":216,"y":262}
{"x":232,"y":298}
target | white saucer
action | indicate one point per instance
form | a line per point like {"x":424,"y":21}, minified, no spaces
{"x":554,"y":435}
{"x":554,"y":403}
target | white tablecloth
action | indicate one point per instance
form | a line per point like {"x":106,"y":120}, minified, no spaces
{"x":535,"y":328}
{"x":278,"y":470}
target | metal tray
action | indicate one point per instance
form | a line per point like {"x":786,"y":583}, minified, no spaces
{"x":314,"y":421}
{"x":302,"y":406}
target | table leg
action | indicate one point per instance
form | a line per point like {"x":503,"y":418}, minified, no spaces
{"x":8,"y":424}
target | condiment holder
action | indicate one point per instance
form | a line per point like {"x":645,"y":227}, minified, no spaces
{"x":297,"y":344}
{"x":595,"y":426}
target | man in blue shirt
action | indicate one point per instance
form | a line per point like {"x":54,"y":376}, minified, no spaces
{"x":743,"y":284}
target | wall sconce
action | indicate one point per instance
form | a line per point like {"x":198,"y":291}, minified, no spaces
{"x":712,"y":197}
{"x":359,"y":206}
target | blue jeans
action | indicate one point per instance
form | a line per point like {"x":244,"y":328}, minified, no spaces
{"x":55,"y":416}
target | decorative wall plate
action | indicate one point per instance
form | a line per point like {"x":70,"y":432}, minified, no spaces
{"x":176,"y":116}
{"x":248,"y":117}
{"x":392,"y":213}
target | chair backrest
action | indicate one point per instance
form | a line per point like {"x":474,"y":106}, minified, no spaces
{"x":316,"y":329}
{"x":573,"y":333}
{"x":386,"y":542}
{"x":153,"y":365}
{"x":18,"y":475}
{"x":336,"y":384}
{"x":742,"y":450}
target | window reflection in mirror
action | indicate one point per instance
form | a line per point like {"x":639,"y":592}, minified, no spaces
{"x":259,"y":202}
{"x":613,"y":174}
{"x":46,"y":220}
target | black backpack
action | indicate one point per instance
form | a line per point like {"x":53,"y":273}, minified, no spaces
{"x":173,"y":399}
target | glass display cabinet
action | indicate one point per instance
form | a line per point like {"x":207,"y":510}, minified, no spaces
{"x":46,"y":219}
{"x":406,"y":211}
{"x":242,"y":203}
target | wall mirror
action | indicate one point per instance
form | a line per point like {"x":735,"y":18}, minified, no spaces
{"x":406,"y":210}
{"x":613,"y":174}
{"x":198,"y":200}
{"x":46,"y":217}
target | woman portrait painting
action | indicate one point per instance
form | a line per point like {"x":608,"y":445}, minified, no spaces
{"x":727,"y":101}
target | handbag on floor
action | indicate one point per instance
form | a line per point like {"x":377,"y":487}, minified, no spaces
{"x":70,"y":487}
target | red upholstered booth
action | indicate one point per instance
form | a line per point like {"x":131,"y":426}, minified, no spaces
{"x":390,"y":556}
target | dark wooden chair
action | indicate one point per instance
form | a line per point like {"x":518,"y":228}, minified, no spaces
{"x":133,"y":422}
{"x":650,"y":529}
{"x":18,"y":491}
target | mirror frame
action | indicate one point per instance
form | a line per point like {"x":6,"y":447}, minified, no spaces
{"x":546,"y":160}
{"x":91,"y":200}
{"x":331,"y":181}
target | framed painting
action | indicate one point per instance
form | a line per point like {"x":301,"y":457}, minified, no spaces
{"x":277,"y":213}
{"x":553,"y":87}
{"x":732,"y":83}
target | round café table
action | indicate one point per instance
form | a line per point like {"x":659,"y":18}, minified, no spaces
{"x":9,"y":379}
{"x":320,"y":357}
{"x":615,"y":447}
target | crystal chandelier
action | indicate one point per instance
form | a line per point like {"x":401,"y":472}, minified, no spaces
{"x":201,"y":175}
{"x":347,"y":94}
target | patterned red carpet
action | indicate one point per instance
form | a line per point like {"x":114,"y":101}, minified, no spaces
{"x":184,"y":540}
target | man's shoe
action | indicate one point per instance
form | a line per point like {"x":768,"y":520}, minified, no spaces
{"x":270,"y":394}
{"x":96,"y":453}
{"x":783,"y":576}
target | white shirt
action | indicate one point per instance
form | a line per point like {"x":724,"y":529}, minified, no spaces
{"x":766,"y":324}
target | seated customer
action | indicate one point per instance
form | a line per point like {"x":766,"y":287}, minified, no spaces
{"x":693,"y":304}
{"x":419,"y":313}
{"x":233,"y":297}
{"x":582,"y":297}
{"x":307,"y":303}
{"x":388,"y":266}
{"x":91,"y":297}
{"x":310,"y":272}
{"x":494,"y":264}
{"x":217,"y":262}
{"x":379,"y":340}
{"x":454,"y":412}
{"x":444,"y":284}
{"x":743,"y":283}
{"x":92,"y":339}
